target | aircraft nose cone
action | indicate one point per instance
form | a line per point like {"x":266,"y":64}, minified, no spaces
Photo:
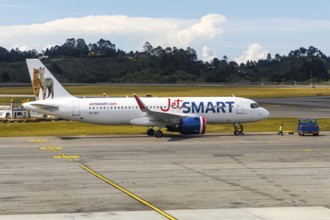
{"x":265,"y":113}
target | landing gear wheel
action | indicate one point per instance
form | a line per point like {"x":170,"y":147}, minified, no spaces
{"x":150,"y":132}
{"x":159,"y":134}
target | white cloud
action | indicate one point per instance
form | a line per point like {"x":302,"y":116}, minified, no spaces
{"x":128,"y":33}
{"x":208,"y":54}
{"x":229,"y":38}
{"x":254,"y":52}
{"x":208,"y":27}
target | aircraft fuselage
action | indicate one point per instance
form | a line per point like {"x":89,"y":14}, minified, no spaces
{"x":123,"y":111}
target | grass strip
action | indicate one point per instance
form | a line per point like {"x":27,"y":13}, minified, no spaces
{"x":68,"y":128}
{"x":183,"y":91}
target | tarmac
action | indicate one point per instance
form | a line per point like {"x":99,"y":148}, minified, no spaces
{"x":258,"y":176}
{"x":297,"y":107}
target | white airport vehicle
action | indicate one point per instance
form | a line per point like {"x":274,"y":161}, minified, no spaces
{"x":187,"y":115}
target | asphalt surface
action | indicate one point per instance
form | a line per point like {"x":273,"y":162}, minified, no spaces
{"x":316,"y":106}
{"x":181,"y":176}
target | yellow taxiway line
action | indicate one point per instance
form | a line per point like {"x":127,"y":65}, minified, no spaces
{"x":51,"y":148}
{"x":38,"y":140}
{"x":68,"y":157}
{"x":128,"y":192}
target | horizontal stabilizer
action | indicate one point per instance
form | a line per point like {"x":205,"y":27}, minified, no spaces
{"x":50,"y":108}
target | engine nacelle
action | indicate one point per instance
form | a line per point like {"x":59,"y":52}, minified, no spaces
{"x":191,"y":125}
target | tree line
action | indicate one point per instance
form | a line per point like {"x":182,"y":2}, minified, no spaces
{"x":103,"y":62}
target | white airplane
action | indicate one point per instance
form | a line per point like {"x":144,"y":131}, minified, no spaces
{"x":187,"y":115}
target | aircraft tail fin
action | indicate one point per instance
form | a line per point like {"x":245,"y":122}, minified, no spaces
{"x":44,"y":84}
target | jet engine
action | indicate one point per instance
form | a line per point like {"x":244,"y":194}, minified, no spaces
{"x":190,"y":125}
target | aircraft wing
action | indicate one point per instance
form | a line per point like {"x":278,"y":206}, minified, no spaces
{"x":159,"y":117}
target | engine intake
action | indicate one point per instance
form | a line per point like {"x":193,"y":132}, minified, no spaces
{"x":191,"y":125}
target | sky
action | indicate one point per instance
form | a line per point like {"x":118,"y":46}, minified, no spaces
{"x":238,"y":29}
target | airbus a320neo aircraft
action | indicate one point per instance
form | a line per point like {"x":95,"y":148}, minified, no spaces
{"x":187,"y":115}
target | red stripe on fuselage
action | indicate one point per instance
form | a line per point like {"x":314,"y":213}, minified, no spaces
{"x":203,"y":120}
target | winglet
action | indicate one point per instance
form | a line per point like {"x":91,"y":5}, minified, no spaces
{"x":141,"y":105}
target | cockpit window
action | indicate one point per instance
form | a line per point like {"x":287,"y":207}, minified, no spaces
{"x":254,"y":105}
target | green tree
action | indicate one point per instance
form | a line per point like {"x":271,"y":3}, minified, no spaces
{"x":81,"y":49}
{"x":5,"y":77}
{"x":148,"y":49}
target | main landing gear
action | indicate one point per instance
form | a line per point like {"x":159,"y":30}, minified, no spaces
{"x":238,"y":129}
{"x":151,"y":132}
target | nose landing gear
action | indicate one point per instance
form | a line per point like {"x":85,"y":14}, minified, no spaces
{"x":238,"y":129}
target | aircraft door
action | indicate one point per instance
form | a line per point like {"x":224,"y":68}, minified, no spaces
{"x":239,"y":108}
{"x":76,"y":108}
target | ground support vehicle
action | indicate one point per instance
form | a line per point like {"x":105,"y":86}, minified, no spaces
{"x":308,"y":126}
